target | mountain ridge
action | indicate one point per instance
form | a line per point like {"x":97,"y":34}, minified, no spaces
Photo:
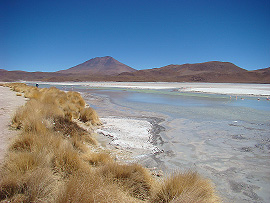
{"x":109,"y":69}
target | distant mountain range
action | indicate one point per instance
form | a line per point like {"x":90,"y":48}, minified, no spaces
{"x":108,"y":69}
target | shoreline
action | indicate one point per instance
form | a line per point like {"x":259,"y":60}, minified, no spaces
{"x":241,"y":89}
{"x":190,"y":150}
{"x":144,"y":143}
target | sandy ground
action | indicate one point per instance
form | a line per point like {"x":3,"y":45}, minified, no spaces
{"x":9,"y":102}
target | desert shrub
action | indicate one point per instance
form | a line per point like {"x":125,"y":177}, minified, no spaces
{"x":89,"y":114}
{"x":42,"y":185}
{"x":29,"y":118}
{"x":38,"y":185}
{"x":9,"y":186}
{"x":36,"y":116}
{"x":89,"y":187}
{"x":55,"y":102}
{"x":53,"y":96}
{"x":72,"y":130}
{"x":68,"y":128}
{"x":185,"y":187}
{"x":19,"y":163}
{"x":23,"y":142}
{"x":17,"y":87}
{"x":97,"y":159}
{"x":71,"y":111}
{"x":32,"y":93}
{"x":32,"y":142}
{"x":66,"y":161}
{"x":17,"y":119}
{"x":76,"y":98}
{"x":34,"y":123}
{"x":78,"y":145}
{"x":134,"y":179}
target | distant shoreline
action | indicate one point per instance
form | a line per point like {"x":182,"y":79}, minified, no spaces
{"x":235,"y":89}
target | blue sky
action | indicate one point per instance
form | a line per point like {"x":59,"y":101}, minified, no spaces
{"x":50,"y":35}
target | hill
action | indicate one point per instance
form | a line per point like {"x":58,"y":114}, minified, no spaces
{"x":213,"y":71}
{"x":109,"y":69}
{"x":263,"y":71}
{"x":9,"y":76}
{"x":99,"y":66}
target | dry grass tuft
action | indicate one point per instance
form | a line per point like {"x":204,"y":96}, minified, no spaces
{"x":34,"y":116}
{"x":23,"y":142}
{"x":42,"y":185}
{"x":134,"y":179}
{"x":66,"y":161}
{"x":79,"y":145}
{"x":97,"y":159}
{"x":186,"y":187}
{"x":76,"y":99}
{"x":32,"y":93}
{"x":84,"y":187}
{"x":9,"y":187}
{"x":18,"y":163}
{"x":89,"y":114}
{"x":72,"y":130}
{"x":39,"y":185}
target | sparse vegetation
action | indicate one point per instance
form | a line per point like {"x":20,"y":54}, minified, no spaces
{"x":185,"y":187}
{"x":51,"y":160}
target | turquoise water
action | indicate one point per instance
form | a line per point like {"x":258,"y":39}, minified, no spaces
{"x":191,"y":105}
{"x":184,"y":105}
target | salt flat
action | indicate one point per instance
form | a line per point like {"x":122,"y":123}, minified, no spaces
{"x":215,"y":88}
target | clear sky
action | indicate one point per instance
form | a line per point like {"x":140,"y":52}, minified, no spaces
{"x":50,"y":35}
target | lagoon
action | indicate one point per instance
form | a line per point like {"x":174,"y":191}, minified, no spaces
{"x":224,"y":137}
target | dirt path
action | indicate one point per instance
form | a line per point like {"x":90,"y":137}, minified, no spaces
{"x":9,"y":102}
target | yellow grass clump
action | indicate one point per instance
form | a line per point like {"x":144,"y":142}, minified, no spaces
{"x":72,"y":130}
{"x":89,"y":114}
{"x":97,"y":159}
{"x":84,"y":188}
{"x":54,"y":160}
{"x":134,"y":179}
{"x":186,"y":187}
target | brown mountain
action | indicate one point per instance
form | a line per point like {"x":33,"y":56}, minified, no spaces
{"x":263,"y":71}
{"x":213,"y":71}
{"x":109,"y":69}
{"x":9,"y":76}
{"x":99,"y":66}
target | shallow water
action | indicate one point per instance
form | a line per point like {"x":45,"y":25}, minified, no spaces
{"x":192,"y":105}
{"x":227,"y":139}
